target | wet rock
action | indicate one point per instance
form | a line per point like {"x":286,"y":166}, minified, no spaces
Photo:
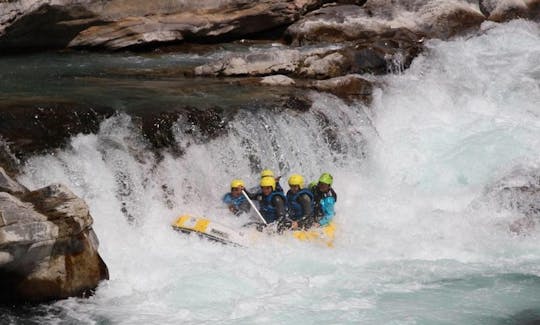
{"x":391,"y":51}
{"x":8,"y":159}
{"x":322,"y":62}
{"x":451,"y":19}
{"x":162,"y":128}
{"x":138,"y":24}
{"x":259,"y":63}
{"x":277,"y":80}
{"x":119,"y":24}
{"x":298,"y":103}
{"x":500,"y":10}
{"x":33,"y":126}
{"x":351,"y":2}
{"x":42,"y":24}
{"x":329,"y":65}
{"x":350,"y":86}
{"x":334,"y":24}
{"x":343,"y":23}
{"x":48,"y":249}
{"x":8,"y":185}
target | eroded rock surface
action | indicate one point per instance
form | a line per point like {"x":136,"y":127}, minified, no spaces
{"x":48,"y":249}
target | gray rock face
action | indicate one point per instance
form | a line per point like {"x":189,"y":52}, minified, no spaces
{"x":435,"y":19}
{"x":48,"y":249}
{"x":43,"y":24}
{"x":260,"y":63}
{"x":349,"y":86}
{"x":504,"y":10}
{"x":119,"y":24}
{"x":9,"y":185}
{"x":277,"y":80}
{"x":335,"y":24}
{"x":388,"y":52}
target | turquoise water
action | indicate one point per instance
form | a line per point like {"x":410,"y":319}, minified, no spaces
{"x":419,"y":240}
{"x":124,"y":81}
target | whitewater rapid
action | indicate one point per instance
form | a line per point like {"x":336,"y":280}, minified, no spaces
{"x":418,"y":240}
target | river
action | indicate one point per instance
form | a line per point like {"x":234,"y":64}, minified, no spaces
{"x":419,"y":239}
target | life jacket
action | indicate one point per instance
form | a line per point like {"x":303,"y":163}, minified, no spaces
{"x":267,"y":210}
{"x":295,"y":209}
{"x":228,"y":199}
{"x":319,"y":196}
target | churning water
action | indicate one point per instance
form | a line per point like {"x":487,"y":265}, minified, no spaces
{"x":419,"y":241}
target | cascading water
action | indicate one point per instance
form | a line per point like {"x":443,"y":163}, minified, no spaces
{"x":419,"y":241}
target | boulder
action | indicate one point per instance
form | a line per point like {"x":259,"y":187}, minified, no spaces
{"x":391,"y":51}
{"x":48,"y":249}
{"x":43,"y":24}
{"x":334,"y":24}
{"x":41,"y":124}
{"x":316,"y":66}
{"x":256,"y":63}
{"x":277,"y":80}
{"x":448,"y":19}
{"x":342,"y":23}
{"x":505,"y":10}
{"x":7,"y":184}
{"x":119,"y":24}
{"x":349,"y":86}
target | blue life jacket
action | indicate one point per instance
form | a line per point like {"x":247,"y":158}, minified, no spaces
{"x":324,"y":205}
{"x":295,"y":209}
{"x":267,"y":210}
{"x":228,"y":199}
{"x":327,"y":209}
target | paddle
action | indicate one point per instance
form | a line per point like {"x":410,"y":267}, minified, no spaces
{"x":254,"y":207}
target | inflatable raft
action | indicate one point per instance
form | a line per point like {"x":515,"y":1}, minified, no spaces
{"x":208,"y":229}
{"x":214,"y":231}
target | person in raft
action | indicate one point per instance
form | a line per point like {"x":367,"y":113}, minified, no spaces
{"x":324,"y":198}
{"x":270,"y":173}
{"x":300,"y":202}
{"x":235,"y":200}
{"x":255,"y":193}
{"x":272,"y":203}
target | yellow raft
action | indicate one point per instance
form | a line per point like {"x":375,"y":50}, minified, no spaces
{"x":323,"y":234}
{"x":217,"y":232}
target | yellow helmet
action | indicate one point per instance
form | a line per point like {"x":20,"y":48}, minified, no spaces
{"x":237,"y":183}
{"x":268,"y":181}
{"x":267,"y":173}
{"x":296,"y":179}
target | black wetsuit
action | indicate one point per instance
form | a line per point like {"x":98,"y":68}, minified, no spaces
{"x":318,"y":196}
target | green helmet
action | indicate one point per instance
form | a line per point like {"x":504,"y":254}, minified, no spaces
{"x":326,"y":178}
{"x":312,"y":185}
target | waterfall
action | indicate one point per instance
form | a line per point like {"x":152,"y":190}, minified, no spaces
{"x":420,"y":238}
